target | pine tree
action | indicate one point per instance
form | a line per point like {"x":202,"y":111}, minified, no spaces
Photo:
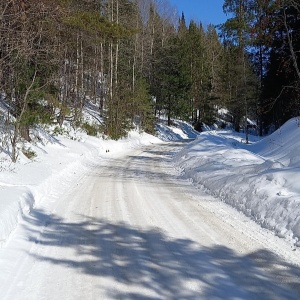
{"x":236,"y":32}
{"x":171,"y":81}
{"x":281,"y":84}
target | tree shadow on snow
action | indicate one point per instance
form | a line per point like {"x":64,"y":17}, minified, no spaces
{"x":165,"y":267}
{"x":142,"y":168}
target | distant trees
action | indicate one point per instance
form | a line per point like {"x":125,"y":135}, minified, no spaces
{"x":281,"y":82}
{"x":136,"y":59}
{"x":171,"y":81}
{"x":26,"y":67}
{"x":268,"y":32}
{"x":241,"y":79}
{"x":56,"y":56}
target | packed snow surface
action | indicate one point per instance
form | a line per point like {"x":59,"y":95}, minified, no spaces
{"x":93,"y":218}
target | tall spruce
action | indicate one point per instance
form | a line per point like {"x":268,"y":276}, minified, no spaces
{"x":281,"y":84}
{"x":171,"y":81}
{"x":236,"y":31}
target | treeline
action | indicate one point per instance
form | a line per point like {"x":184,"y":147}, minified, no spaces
{"x":268,"y":32}
{"x":136,"y":59}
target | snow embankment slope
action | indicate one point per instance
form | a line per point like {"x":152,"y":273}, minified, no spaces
{"x":59,"y":162}
{"x":178,"y":131}
{"x":261,"y":179}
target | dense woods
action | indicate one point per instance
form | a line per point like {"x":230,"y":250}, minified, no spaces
{"x":134,"y":60}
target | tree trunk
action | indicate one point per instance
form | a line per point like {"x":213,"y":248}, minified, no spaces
{"x":24,"y":133}
{"x":82,"y":90}
{"x":101,"y":105}
{"x":117,"y":47}
{"x":77,"y":70}
{"x":169,"y":112}
{"x":290,"y":41}
{"x":260,"y":112}
{"x":111,"y":71}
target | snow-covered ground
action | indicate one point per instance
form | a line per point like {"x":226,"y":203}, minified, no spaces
{"x":58,"y":162}
{"x":89,"y":217}
{"x":261,"y":179}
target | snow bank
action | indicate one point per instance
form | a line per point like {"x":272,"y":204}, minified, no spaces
{"x":59,"y":162}
{"x":261,"y":179}
{"x":178,"y":131}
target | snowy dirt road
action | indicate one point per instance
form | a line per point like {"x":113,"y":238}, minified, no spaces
{"x":133,"y":228}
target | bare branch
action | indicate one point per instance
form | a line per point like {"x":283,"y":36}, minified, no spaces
{"x":290,"y":41}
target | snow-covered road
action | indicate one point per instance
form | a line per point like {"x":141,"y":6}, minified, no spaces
{"x":132,"y":228}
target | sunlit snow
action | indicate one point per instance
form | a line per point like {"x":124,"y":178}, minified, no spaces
{"x":260,"y":179}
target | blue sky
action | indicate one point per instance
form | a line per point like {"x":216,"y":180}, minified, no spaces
{"x":206,"y":11}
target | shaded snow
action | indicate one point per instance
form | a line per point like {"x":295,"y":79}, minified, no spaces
{"x":178,"y":131}
{"x":59,"y":161}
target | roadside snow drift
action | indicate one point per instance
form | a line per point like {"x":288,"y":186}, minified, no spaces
{"x":178,"y":131}
{"x":58,"y":162}
{"x":261,"y":179}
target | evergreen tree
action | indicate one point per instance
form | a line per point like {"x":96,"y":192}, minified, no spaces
{"x":236,"y":32}
{"x":171,"y":81}
{"x":281,"y":83}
